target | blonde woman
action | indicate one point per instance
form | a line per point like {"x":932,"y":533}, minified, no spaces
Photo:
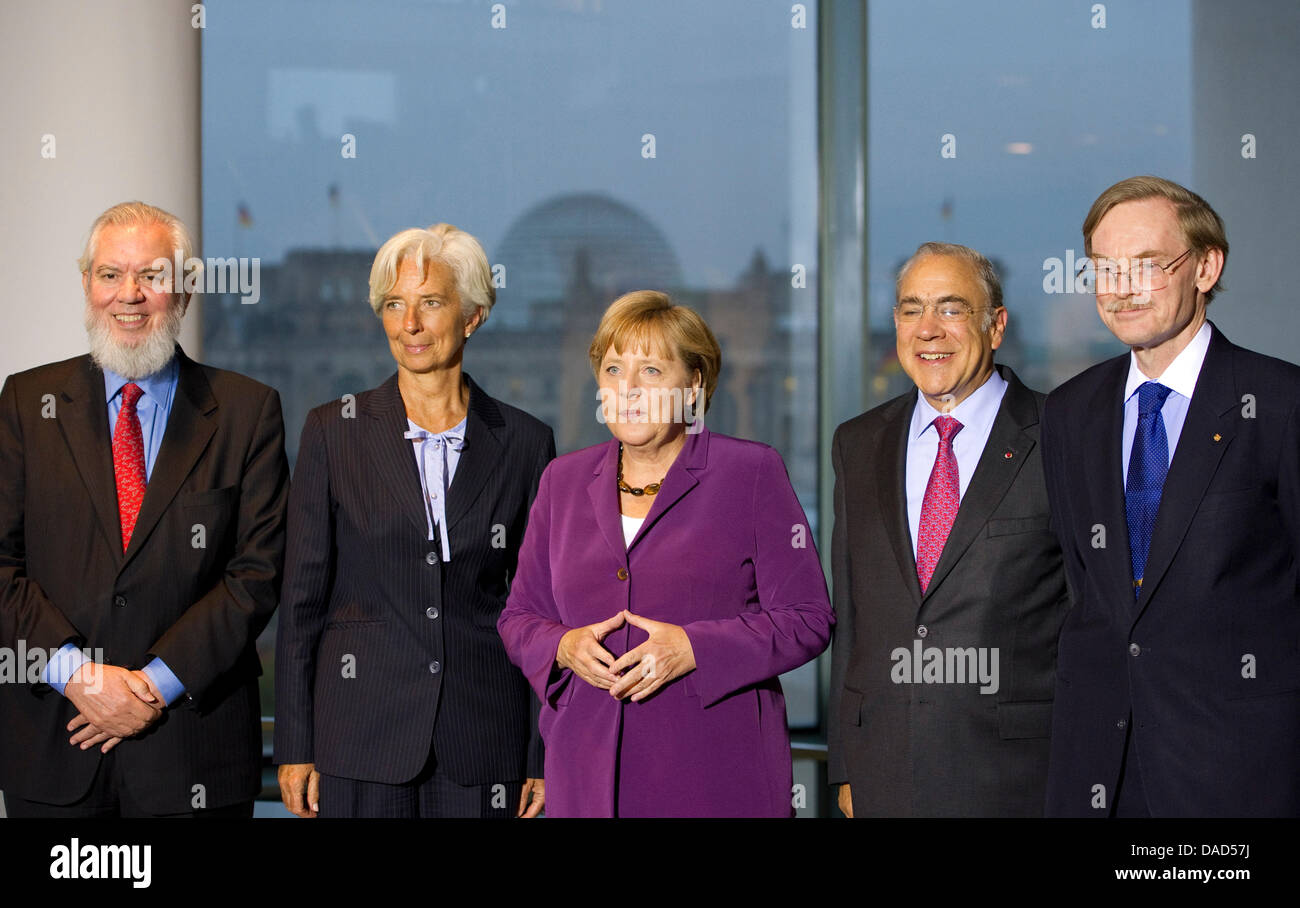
{"x":666,"y":579}
{"x":394,"y":696}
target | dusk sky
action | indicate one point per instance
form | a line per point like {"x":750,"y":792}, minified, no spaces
{"x":455,"y":120}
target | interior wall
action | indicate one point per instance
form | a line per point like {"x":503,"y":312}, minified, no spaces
{"x":101,"y":105}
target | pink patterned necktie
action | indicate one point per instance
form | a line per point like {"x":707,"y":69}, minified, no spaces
{"x":128,"y":461}
{"x":939,"y":506}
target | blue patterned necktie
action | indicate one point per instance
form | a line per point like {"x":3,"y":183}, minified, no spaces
{"x":1147,"y":465}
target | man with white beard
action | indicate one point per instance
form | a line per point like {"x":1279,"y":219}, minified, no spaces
{"x":142,"y":508}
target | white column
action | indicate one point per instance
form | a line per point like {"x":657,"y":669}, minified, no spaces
{"x":100,"y":106}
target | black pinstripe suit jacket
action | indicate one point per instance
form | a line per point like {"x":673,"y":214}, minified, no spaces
{"x":383,"y":650}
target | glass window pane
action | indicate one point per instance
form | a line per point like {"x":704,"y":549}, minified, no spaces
{"x":593,"y":149}
{"x":995,"y":125}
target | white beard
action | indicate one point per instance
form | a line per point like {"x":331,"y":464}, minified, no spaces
{"x":139,"y":360}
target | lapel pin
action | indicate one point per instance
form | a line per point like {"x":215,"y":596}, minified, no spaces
{"x":1218,"y":437}
{"x":1008,"y":454}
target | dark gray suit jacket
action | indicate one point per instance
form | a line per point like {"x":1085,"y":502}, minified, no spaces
{"x":944,"y":749}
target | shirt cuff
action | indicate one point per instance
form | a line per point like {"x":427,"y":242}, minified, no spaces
{"x":162,"y":677}
{"x":65,"y":663}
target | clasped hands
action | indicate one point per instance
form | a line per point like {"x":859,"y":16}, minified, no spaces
{"x":639,"y":672}
{"x":114,"y":703}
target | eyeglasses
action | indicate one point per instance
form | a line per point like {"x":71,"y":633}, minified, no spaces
{"x":1143,"y":275}
{"x":947,"y":311}
{"x":157,"y":279}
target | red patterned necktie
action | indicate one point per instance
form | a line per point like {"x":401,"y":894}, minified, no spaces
{"x":939,"y":506}
{"x":128,"y":461}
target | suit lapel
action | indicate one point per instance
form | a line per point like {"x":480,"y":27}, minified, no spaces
{"x":681,"y":479}
{"x":480,"y":456}
{"x":1105,"y":421}
{"x":994,"y":474}
{"x":83,"y":420}
{"x":189,"y":429}
{"x":603,"y":492}
{"x":890,"y":485}
{"x":391,"y":453}
{"x":1207,"y":432}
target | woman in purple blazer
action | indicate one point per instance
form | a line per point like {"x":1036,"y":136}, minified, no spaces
{"x":666,"y":578}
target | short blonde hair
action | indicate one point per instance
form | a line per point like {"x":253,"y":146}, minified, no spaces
{"x":1201,"y":225}
{"x":442,"y":243}
{"x":139,"y":214}
{"x":648,"y":320}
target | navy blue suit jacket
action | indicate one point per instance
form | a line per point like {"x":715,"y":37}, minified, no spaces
{"x":1206,"y":662}
{"x":383,"y":651}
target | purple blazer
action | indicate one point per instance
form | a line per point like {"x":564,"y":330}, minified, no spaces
{"x":726,"y":553}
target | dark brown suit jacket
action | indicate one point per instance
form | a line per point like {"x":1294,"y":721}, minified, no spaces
{"x":196,"y":586}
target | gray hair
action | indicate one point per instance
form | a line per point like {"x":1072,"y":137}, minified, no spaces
{"x":140,"y":214}
{"x":443,"y":243}
{"x":984,"y":271}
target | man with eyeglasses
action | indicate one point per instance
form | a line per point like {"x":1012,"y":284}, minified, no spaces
{"x":1174,"y":476}
{"x":949,"y":586}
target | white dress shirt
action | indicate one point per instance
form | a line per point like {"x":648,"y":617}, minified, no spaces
{"x":1180,"y":378}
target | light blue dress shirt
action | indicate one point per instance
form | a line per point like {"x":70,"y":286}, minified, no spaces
{"x":1180,"y":377}
{"x":152,"y":409}
{"x":437,"y":455}
{"x":976,"y":414}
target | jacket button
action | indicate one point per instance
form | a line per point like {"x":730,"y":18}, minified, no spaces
{"x":431,"y":612}
{"x":119,"y":601}
{"x":1122,"y":723}
{"x":922,"y":631}
{"x":435,"y":666}
{"x":1134,"y":649}
{"x":431,"y":558}
{"x":622,"y":574}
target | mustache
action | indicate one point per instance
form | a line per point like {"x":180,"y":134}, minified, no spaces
{"x":1125,"y":305}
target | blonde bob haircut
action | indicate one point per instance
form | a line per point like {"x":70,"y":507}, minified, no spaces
{"x":1201,"y":225}
{"x":649,"y":320}
{"x":441,"y":243}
